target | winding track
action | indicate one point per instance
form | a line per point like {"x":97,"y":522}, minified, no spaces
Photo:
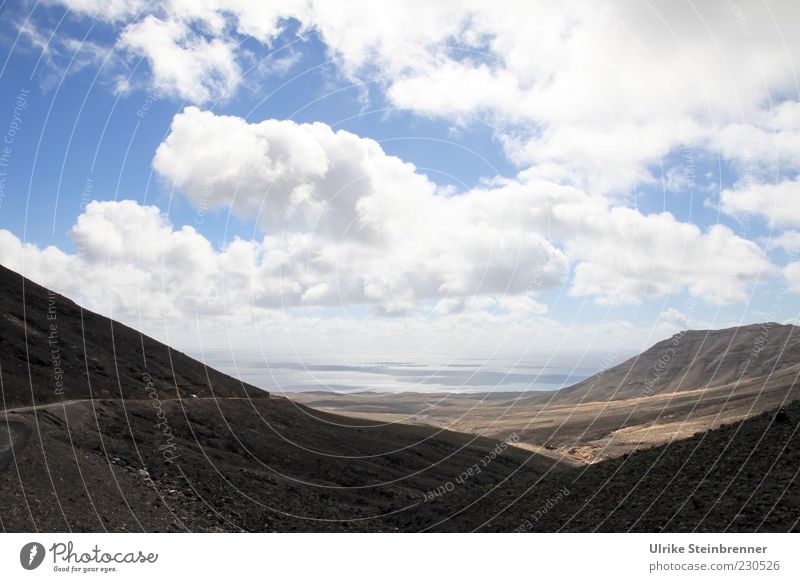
{"x":14,"y":435}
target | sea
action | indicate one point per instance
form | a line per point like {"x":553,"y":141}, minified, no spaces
{"x":430,"y":373}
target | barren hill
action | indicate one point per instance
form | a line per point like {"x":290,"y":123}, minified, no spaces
{"x":687,"y":384}
{"x":52,"y":350}
{"x":197,"y":451}
{"x":695,"y":359}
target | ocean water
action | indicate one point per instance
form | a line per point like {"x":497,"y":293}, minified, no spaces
{"x":412,"y":374}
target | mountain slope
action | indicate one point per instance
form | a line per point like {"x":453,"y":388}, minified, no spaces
{"x":265,"y":464}
{"x":740,"y":477}
{"x":110,"y":453}
{"x":52,"y":350}
{"x":692,"y":360}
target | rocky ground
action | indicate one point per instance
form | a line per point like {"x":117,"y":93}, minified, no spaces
{"x":230,"y":465}
{"x":741,"y":477}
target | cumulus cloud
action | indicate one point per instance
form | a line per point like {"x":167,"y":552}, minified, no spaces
{"x":621,"y":255}
{"x":768,"y":143}
{"x":193,"y":48}
{"x":107,"y":10}
{"x":403,"y":240}
{"x":631,"y":256}
{"x":763,"y":148}
{"x":173,"y":284}
{"x":381,"y":231}
{"x":131,"y":262}
{"x":590,"y":95}
{"x":778,"y":204}
{"x":789,"y":241}
{"x":131,"y":259}
{"x":346,"y":224}
{"x":183,"y":62}
{"x":791,"y":274}
{"x":675,"y":317}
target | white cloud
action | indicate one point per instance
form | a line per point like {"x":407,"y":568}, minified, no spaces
{"x":675,"y":317}
{"x":132,"y":262}
{"x":791,"y":273}
{"x":194,"y":48}
{"x":169,"y":282}
{"x":596,"y":94}
{"x":522,"y":305}
{"x":106,"y":10}
{"x":132,"y":265}
{"x":377,"y":231}
{"x":172,"y":285}
{"x":788,"y":241}
{"x":625,"y":256}
{"x":393,"y":238}
{"x":768,"y":143}
{"x":589,"y":94}
{"x":130,"y":259}
{"x":183,"y":62}
{"x":345,"y":224}
{"x":778,"y":204}
{"x":622,"y":255}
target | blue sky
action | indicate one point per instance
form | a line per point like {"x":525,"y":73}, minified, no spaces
{"x":78,"y":128}
{"x":502,"y":147}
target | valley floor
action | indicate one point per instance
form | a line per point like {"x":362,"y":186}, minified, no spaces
{"x":574,"y":433}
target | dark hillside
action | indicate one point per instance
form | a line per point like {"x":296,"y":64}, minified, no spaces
{"x":52,"y":350}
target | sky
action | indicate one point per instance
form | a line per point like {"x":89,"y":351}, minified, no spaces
{"x":364,"y":177}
